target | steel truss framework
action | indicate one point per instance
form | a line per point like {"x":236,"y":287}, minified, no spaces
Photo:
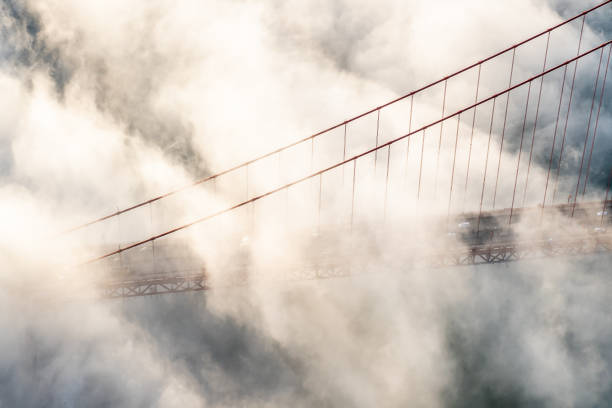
{"x":509,"y":252}
{"x":155,"y":286}
{"x":477,"y":255}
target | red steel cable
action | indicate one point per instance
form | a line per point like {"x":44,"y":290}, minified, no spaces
{"x":221,"y":173}
{"x":450,"y":194}
{"x":518,"y":162}
{"x":535,"y":125}
{"x":586,"y":137}
{"x":484,"y":178}
{"x":467,"y":171}
{"x":553,"y":142}
{"x":421,"y":166}
{"x":153,"y":249}
{"x":344,"y":146}
{"x":501,"y":146}
{"x":603,"y":88}
{"x":440,"y":141}
{"x":354,"y":159}
{"x":569,"y":105}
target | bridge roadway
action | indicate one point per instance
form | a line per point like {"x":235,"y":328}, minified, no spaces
{"x":470,"y":240}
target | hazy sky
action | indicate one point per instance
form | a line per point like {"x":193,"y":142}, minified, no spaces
{"x":107,"y":103}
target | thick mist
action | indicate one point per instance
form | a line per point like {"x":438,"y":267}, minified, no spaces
{"x":107,"y":104}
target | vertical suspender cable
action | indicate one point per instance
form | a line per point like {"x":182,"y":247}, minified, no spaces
{"x":535,"y":125}
{"x":421,"y":166}
{"x":569,"y":105}
{"x":450,"y":193}
{"x":387,"y":183}
{"x":518,"y":162}
{"x":344,"y":156}
{"x":552,"y":148}
{"x":377,"y":127}
{"x":440,"y":141}
{"x":586,"y":137}
{"x":501,"y":145}
{"x":484,"y":179}
{"x":603,"y":88}
{"x":467,"y":171}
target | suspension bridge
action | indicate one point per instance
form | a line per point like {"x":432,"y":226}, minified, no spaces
{"x":492,"y":163}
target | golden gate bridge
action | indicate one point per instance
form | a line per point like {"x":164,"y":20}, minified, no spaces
{"x":492,"y":163}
